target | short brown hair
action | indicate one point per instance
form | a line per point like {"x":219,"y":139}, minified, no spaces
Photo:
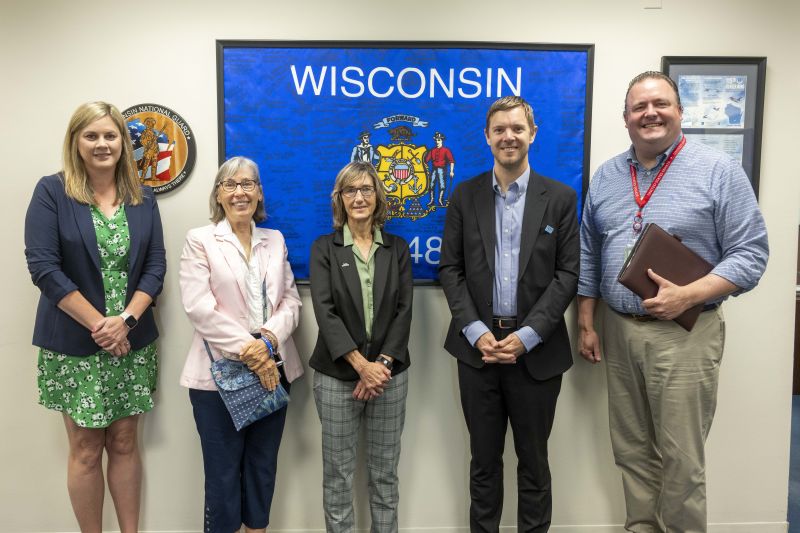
{"x":351,"y":173}
{"x":651,"y":75}
{"x":507,"y":103}
{"x":229,"y":169}
{"x":76,"y":181}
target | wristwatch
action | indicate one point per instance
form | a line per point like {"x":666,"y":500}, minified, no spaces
{"x":129,"y":319}
{"x":384,"y":361}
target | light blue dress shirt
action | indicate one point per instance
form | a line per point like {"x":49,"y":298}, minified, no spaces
{"x":705,"y":198}
{"x":509,"y":209}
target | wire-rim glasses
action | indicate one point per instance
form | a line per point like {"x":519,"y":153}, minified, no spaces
{"x":366,"y":192}
{"x":230,"y":185}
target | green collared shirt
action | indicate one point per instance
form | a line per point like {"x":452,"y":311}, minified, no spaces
{"x":366,"y":273}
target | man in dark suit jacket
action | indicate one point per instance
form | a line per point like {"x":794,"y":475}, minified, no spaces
{"x":509,"y":269}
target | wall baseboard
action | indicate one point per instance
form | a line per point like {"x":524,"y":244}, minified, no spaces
{"x":744,"y":527}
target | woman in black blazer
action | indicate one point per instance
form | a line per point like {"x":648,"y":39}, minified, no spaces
{"x":361,"y":288}
{"x":95,"y":249}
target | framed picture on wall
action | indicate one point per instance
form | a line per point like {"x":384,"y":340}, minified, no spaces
{"x":723,"y":104}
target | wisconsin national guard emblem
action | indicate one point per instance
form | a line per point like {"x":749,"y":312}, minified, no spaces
{"x":163,"y":145}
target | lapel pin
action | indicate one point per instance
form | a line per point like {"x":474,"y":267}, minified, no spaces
{"x":548,"y":229}
{"x":345,"y":265}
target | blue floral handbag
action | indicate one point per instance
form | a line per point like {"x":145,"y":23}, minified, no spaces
{"x":241,"y":390}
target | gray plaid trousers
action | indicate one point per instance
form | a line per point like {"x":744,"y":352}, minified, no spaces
{"x":341,"y":418}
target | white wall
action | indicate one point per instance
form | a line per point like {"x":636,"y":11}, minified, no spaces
{"x":55,"y":55}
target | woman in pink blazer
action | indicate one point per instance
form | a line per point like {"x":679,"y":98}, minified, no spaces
{"x":238,"y":290}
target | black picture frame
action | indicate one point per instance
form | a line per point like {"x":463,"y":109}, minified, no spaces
{"x":276,"y":106}
{"x":707,"y":121}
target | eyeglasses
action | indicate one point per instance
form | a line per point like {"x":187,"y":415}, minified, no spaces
{"x":350,"y":192}
{"x":230,"y":185}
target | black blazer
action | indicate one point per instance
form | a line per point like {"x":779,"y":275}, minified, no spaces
{"x":548,"y":268}
{"x":338,"y":305}
{"x":61,"y":249}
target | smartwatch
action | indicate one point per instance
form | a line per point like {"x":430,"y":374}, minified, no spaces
{"x":129,"y":319}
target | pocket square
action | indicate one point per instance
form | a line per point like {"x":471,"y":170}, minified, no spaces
{"x":548,"y":229}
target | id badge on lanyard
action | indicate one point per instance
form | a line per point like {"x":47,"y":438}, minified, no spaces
{"x":641,"y":201}
{"x":628,"y":249}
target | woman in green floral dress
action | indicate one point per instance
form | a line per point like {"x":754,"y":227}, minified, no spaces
{"x":94,"y":245}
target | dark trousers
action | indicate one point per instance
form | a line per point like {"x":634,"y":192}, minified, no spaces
{"x":492,"y":396}
{"x":240,"y":466}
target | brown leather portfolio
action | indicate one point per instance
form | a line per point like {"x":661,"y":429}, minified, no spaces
{"x":670,"y":259}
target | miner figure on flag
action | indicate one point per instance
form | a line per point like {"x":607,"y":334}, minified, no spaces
{"x":440,"y":158}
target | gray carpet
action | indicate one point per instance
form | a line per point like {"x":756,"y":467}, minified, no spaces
{"x":794,"y":469}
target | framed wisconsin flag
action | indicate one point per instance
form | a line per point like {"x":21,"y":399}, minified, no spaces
{"x":415,"y":110}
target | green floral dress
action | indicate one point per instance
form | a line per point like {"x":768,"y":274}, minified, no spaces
{"x":98,"y":389}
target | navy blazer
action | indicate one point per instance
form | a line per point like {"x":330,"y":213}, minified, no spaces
{"x":61,"y":250}
{"x":339,"y":307}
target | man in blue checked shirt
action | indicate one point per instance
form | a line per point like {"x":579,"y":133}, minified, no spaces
{"x":662,"y":380}
{"x":509,"y":269}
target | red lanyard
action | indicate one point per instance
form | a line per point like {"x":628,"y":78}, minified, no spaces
{"x":641,"y":202}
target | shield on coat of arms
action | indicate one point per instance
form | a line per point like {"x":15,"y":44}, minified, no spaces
{"x":403,"y":173}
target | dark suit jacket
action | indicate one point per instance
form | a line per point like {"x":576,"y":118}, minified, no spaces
{"x":548,"y":268}
{"x":338,"y":305}
{"x":61,"y":249}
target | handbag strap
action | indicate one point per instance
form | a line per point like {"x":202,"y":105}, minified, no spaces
{"x":264,"y":301}
{"x":208,"y":350}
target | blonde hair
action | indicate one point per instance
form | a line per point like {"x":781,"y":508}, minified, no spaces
{"x":229,"y":169}
{"x":507,"y":103}
{"x":351,"y":173}
{"x":76,"y":180}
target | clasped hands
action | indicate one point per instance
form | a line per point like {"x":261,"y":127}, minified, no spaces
{"x":111,"y":334}
{"x":506,"y":351}
{"x":257,"y":358}
{"x":373,"y":377}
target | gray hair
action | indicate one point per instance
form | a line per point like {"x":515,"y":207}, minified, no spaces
{"x":229,"y":169}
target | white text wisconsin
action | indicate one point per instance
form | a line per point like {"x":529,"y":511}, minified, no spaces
{"x":410,"y":82}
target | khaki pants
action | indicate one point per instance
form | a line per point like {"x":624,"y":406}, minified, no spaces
{"x":662,"y":393}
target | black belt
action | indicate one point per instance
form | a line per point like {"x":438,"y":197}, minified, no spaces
{"x":504,"y":322}
{"x":651,"y":318}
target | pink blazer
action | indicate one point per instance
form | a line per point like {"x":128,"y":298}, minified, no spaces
{"x":213,"y":295}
